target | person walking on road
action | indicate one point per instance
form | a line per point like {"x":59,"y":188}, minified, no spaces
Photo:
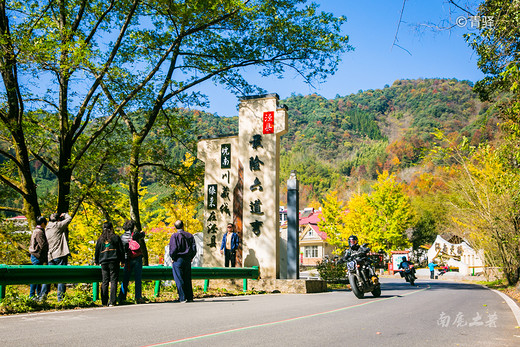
{"x":229,"y":246}
{"x":57,"y":237}
{"x":432,"y":266}
{"x":38,"y":248}
{"x":182,"y":250}
{"x":109,"y":253}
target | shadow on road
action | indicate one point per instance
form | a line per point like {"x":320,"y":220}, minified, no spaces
{"x":222,"y":300}
{"x":433,"y":285}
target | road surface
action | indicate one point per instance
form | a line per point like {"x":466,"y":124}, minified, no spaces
{"x":434,"y":313}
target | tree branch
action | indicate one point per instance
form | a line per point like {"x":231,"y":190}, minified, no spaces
{"x":11,"y":209}
{"x":12,"y":185}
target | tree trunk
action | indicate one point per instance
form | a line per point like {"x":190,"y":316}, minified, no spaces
{"x":13,"y":118}
{"x":133,"y":192}
{"x":133,"y":186}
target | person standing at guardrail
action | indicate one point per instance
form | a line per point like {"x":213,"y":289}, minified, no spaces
{"x":38,"y":248}
{"x":182,"y":251}
{"x":109,"y":253}
{"x":133,"y":261}
{"x":56,"y":233}
{"x":229,"y":246}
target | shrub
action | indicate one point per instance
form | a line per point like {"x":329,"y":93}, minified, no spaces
{"x":331,"y":270}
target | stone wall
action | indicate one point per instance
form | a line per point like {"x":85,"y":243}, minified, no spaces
{"x":269,"y":285}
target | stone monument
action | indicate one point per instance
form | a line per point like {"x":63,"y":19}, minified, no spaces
{"x":241,"y":185}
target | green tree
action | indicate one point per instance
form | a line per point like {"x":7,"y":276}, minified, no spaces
{"x":358,"y":218}
{"x":55,"y":44}
{"x":393,"y":214}
{"x":333,"y":222}
{"x":498,"y":48}
{"x":482,"y":205}
{"x":382,"y":217}
{"x":146,"y":68}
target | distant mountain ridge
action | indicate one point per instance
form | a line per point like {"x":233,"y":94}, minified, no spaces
{"x":358,"y":135}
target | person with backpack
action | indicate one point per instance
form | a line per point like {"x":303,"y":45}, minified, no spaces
{"x":109,"y":253}
{"x":133,"y":261}
{"x":182,"y":251}
{"x":38,"y":249}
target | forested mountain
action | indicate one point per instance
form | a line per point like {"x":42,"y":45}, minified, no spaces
{"x":338,"y":144}
{"x":332,"y":143}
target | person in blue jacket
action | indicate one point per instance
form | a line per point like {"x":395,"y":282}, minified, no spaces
{"x":229,"y":246}
{"x":432,"y":266}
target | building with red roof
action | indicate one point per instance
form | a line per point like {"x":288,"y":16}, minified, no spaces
{"x":313,"y":242}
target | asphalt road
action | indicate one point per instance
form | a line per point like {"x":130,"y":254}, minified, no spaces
{"x":435,"y":313}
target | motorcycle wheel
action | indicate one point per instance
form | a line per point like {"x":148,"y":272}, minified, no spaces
{"x":411,"y":280}
{"x":377,"y":291}
{"x":354,"y":285}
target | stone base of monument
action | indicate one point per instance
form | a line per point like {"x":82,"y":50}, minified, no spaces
{"x":300,"y":286}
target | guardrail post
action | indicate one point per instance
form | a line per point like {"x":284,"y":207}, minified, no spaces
{"x":245,"y":285}
{"x":95,"y":291}
{"x":157,"y":288}
{"x":206,"y":284}
{"x":2,"y":292}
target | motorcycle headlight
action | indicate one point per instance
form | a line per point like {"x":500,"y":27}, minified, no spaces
{"x":351,"y":265}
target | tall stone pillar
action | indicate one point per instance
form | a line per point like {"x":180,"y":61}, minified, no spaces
{"x":293,"y":234}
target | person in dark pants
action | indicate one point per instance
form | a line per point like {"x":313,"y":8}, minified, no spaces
{"x":133,"y":260}
{"x":229,"y":246}
{"x":57,"y":237}
{"x":182,"y":250}
{"x":432,"y":266}
{"x":38,"y":248}
{"x":109,"y":253}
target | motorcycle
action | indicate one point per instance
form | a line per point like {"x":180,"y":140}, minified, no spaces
{"x":361,"y":274}
{"x":408,"y":275}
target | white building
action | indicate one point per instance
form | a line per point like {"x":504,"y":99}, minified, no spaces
{"x":459,"y":255}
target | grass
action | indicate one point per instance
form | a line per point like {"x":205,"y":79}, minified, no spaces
{"x":80,"y":296}
{"x":511,"y":291}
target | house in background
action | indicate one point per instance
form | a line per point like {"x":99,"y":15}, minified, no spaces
{"x":313,"y":242}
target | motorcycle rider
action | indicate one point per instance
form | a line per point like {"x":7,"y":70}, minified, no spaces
{"x":354,"y":247}
{"x":405,"y":265}
{"x":353,"y":244}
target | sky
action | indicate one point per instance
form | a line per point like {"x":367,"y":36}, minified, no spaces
{"x":375,"y":62}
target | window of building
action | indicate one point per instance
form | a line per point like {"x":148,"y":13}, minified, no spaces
{"x":311,"y":252}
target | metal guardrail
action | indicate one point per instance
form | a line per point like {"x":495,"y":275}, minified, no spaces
{"x":37,"y":274}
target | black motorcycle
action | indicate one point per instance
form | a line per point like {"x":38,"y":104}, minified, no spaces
{"x":361,"y":274}
{"x":409,"y":276}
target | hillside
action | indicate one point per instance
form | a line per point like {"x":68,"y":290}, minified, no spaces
{"x":331,"y":142}
{"x":338,"y":144}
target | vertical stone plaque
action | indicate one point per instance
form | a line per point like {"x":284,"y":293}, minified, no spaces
{"x":252,"y":177}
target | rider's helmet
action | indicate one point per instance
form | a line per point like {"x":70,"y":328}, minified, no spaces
{"x":352,"y":241}
{"x":404,"y":259}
